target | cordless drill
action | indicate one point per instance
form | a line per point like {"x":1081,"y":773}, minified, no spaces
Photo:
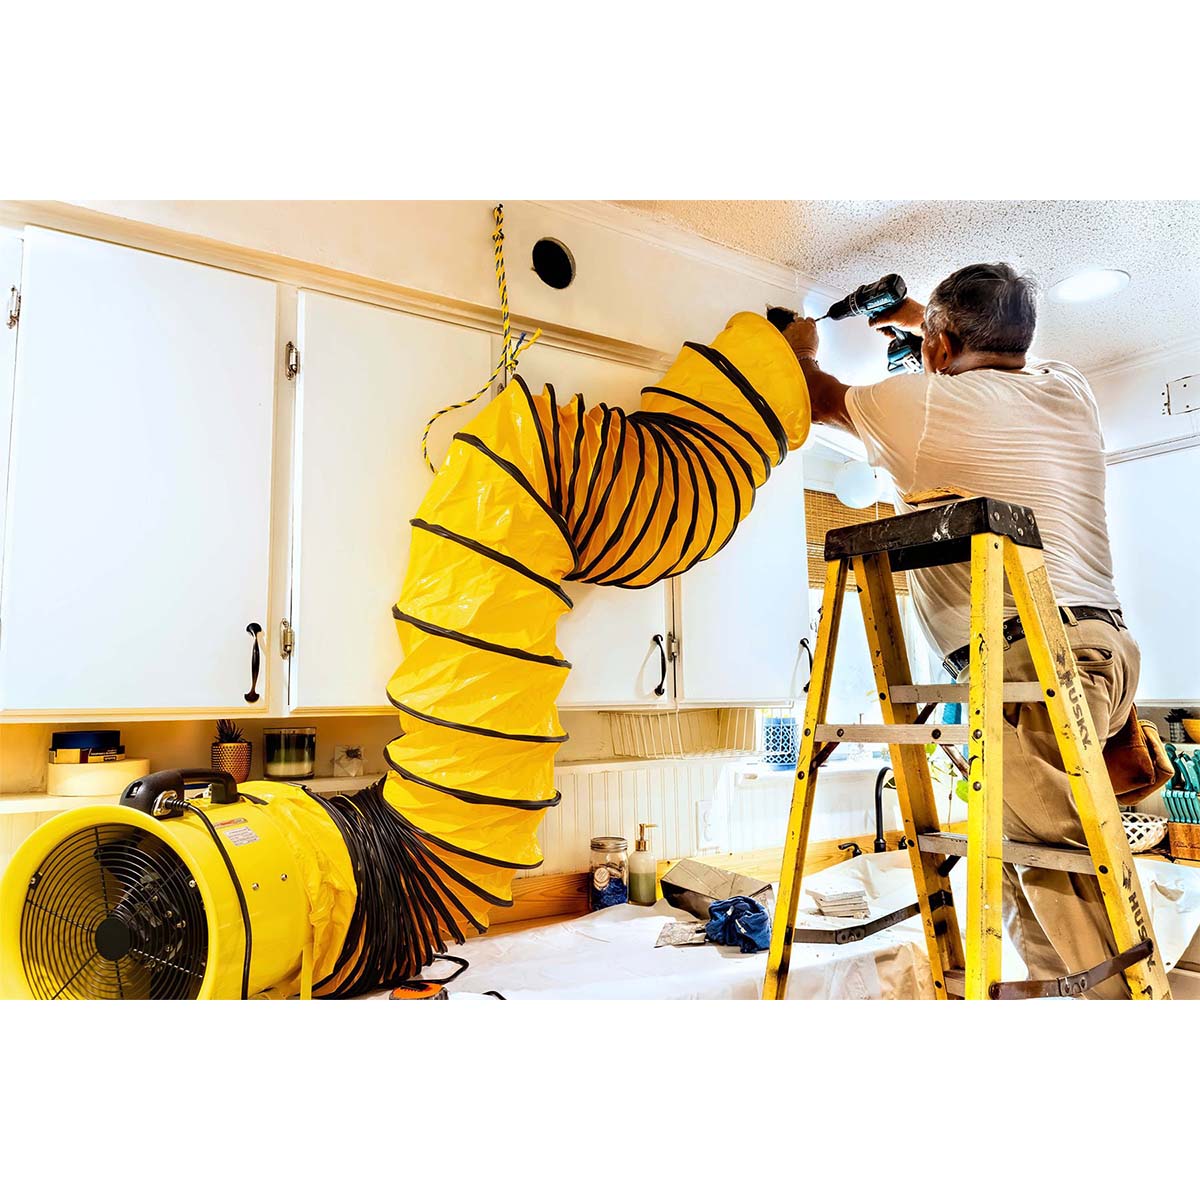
{"x":871,"y":300}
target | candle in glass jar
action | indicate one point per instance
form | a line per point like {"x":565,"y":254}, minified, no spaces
{"x":290,"y":753}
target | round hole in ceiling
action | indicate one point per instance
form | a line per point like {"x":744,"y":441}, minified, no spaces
{"x":553,"y":263}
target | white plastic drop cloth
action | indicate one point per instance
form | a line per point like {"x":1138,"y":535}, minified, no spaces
{"x":611,"y":955}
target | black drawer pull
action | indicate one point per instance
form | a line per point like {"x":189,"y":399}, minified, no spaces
{"x":662,"y":649}
{"x":254,"y":629}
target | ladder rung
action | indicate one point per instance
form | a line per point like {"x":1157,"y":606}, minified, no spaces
{"x":956,"y":693}
{"x":1056,"y":858}
{"x":956,"y":982}
{"x":893,"y":735}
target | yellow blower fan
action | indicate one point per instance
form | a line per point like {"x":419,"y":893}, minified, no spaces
{"x":277,"y":891}
{"x":185,"y":890}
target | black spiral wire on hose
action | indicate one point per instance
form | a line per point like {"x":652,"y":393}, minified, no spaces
{"x":394,"y":932}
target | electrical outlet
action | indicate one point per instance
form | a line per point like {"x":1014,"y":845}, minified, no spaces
{"x":708,"y":836}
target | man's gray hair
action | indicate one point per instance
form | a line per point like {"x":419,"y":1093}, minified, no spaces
{"x":988,"y":307}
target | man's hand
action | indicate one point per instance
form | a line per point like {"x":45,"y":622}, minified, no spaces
{"x":802,"y":336}
{"x":826,"y":395}
{"x":909,"y":315}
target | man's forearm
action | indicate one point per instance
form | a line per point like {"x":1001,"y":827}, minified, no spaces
{"x":827,"y":396}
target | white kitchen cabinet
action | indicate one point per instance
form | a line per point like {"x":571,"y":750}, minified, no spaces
{"x":608,"y":636}
{"x":10,"y":284}
{"x":137,"y":548}
{"x":369,"y":380}
{"x":743,"y":612}
{"x":1152,"y":528}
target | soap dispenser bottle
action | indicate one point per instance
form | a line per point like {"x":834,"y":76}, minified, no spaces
{"x":643,"y":870}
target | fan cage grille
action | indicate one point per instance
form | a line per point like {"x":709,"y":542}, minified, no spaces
{"x":113,"y":913}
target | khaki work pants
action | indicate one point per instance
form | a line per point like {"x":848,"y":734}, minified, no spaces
{"x":1056,"y":920}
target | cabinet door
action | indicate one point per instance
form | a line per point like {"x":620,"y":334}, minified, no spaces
{"x":1152,"y":528}
{"x":369,"y":380}
{"x":743,"y":612}
{"x":10,"y":282}
{"x":139,"y":492}
{"x":609,"y":635}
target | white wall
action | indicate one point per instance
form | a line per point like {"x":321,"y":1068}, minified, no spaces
{"x":1153,"y":460}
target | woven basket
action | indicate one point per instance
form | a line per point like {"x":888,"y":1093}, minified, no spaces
{"x":1144,"y":830}
{"x":683,"y":733}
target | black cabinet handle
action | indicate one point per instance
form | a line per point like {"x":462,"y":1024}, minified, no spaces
{"x":661,"y":690}
{"x":254,"y":629}
{"x":808,"y":649}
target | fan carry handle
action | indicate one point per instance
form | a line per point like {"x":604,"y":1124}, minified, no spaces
{"x":145,"y":793}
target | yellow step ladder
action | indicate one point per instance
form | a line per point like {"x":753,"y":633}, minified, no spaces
{"x":998,"y":540}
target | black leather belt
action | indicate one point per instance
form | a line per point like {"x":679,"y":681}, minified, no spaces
{"x":957,"y":662}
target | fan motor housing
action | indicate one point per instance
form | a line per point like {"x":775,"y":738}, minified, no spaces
{"x":292,"y":865}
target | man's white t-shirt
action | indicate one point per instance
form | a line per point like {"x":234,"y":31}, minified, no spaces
{"x":1030,"y":437}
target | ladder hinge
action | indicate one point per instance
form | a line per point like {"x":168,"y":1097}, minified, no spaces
{"x":14,"y":308}
{"x":292,"y":360}
{"x":287,"y":638}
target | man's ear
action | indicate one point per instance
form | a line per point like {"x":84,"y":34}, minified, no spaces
{"x":940,"y":349}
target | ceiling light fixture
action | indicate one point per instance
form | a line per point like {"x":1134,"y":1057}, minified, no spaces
{"x":1094,"y":283}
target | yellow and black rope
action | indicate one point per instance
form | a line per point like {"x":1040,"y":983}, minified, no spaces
{"x":509,"y":353}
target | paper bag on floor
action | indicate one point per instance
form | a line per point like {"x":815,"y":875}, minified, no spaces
{"x":693,"y":886}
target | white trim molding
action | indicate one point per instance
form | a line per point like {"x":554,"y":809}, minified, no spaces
{"x":1151,"y":449}
{"x":1147,"y":358}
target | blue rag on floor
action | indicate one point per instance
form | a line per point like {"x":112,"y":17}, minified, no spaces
{"x":739,"y":921}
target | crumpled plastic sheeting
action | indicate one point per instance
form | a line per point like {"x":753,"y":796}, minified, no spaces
{"x":739,"y":921}
{"x":327,"y":872}
{"x":533,"y":493}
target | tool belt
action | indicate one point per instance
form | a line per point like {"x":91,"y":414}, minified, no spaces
{"x":957,"y":662}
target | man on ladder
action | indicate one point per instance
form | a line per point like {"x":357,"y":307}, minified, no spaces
{"x":982,"y":422}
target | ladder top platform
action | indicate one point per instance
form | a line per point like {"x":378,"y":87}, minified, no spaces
{"x":934,"y":537}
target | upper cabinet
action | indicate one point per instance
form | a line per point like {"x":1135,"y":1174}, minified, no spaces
{"x":10,"y":288}
{"x":370,"y":378}
{"x":138,"y":540}
{"x":743,"y":612}
{"x":173,"y":493}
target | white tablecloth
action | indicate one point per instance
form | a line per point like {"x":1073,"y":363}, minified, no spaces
{"x":612,"y":955}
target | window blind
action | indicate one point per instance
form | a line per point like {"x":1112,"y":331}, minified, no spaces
{"x":823,"y":512}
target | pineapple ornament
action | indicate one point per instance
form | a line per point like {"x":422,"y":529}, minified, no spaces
{"x":231,"y":752}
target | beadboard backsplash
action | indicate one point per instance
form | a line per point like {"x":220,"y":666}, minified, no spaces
{"x":704,"y":806}
{"x":614,"y":798}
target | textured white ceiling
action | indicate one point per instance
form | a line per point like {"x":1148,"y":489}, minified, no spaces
{"x":842,"y":243}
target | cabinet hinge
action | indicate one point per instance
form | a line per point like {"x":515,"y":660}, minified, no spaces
{"x":292,"y":360}
{"x":672,"y":647}
{"x":14,"y":308}
{"x":1177,"y":403}
{"x":287,"y":638}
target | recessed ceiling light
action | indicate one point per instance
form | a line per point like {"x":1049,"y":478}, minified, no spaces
{"x":1092,"y":284}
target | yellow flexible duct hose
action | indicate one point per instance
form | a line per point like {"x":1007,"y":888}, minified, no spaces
{"x":533,"y":493}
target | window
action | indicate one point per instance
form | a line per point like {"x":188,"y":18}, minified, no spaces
{"x":852,"y":695}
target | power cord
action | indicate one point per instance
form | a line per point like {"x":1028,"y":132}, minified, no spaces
{"x":175,"y":804}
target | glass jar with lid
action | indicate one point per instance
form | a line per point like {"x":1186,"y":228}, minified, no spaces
{"x":290,"y":753}
{"x":609,"y":882}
